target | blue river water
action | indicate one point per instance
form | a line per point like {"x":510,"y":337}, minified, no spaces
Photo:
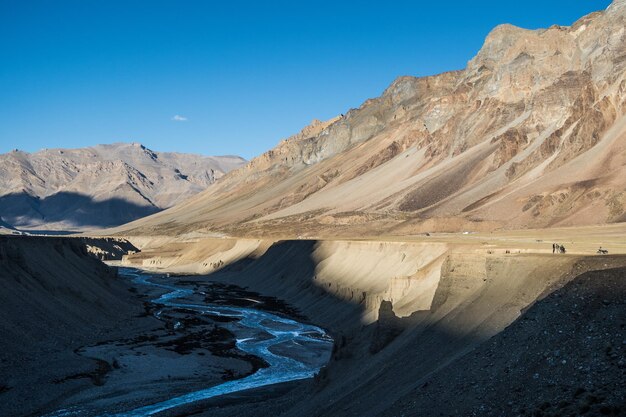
{"x":281,"y":368}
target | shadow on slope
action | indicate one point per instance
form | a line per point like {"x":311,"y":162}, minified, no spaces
{"x":369,"y":362}
{"x":564,"y":356}
{"x":446,"y":348}
{"x":74,"y":210}
{"x":287,"y":270}
{"x":5,"y":224}
{"x":54,"y":298}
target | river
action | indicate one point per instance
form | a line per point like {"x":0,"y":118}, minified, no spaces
{"x":292,"y":350}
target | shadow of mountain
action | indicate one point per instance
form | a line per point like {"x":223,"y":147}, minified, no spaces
{"x":287,"y":270}
{"x":5,"y":224}
{"x":53,"y":299}
{"x":356,"y":381}
{"x":73,"y":209}
{"x":561,"y":357}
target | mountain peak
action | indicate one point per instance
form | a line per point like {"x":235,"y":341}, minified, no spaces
{"x":616,"y":5}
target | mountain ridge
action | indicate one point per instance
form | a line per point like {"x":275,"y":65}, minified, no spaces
{"x":511,"y":141}
{"x":115,"y":183}
{"x":530,"y":134}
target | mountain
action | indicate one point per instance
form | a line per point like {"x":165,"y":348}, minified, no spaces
{"x":100,"y":186}
{"x":532,"y":133}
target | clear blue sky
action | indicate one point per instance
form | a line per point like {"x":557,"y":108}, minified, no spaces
{"x":243,"y":74}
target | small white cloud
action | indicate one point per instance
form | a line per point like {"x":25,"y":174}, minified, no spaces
{"x":179,"y":118}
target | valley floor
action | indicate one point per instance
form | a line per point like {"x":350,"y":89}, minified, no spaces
{"x":445,"y":324}
{"x":482,"y":326}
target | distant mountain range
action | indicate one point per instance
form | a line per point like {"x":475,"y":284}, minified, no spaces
{"x":531,"y":134}
{"x":100,"y":186}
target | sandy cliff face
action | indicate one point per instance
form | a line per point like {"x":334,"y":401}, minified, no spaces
{"x":360,"y":274}
{"x":531,"y":133}
{"x":105,"y":185}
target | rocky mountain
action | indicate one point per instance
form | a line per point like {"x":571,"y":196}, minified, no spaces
{"x":532,"y":133}
{"x":100,"y":186}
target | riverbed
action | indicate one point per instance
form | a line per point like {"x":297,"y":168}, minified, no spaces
{"x":216,"y":340}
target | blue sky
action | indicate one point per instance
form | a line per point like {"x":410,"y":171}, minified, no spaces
{"x":242,"y":75}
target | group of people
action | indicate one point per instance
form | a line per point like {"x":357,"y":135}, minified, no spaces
{"x":556,"y":248}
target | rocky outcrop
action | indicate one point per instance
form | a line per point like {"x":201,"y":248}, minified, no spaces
{"x":107,"y":249}
{"x":387,"y":327}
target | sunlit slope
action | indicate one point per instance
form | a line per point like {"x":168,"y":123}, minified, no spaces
{"x":531,"y":134}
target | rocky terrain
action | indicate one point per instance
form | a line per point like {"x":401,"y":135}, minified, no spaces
{"x":531,"y":134}
{"x":569,"y":360}
{"x":100,"y":186}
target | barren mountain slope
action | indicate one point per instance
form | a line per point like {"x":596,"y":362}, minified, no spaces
{"x":531,"y":134}
{"x":104,"y":185}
